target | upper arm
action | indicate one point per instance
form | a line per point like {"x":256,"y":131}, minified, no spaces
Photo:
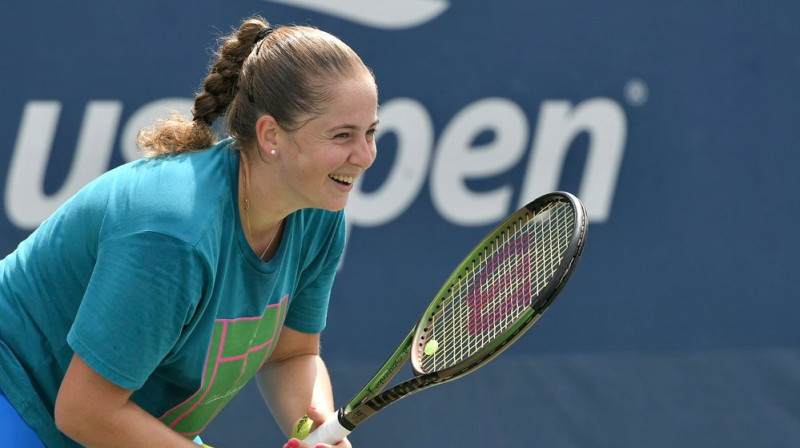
{"x":84,"y":394}
{"x":142,"y":293}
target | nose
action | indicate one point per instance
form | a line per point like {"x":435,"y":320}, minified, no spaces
{"x":364,"y":153}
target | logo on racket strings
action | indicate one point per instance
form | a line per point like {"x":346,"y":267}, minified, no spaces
{"x":500,"y":288}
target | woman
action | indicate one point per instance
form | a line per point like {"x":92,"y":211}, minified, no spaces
{"x":150,"y":298}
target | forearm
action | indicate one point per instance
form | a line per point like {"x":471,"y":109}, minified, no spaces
{"x":126,"y":426}
{"x":291,"y":385}
{"x":97,"y":413}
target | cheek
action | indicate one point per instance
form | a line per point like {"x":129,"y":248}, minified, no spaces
{"x":315,"y":162}
{"x":373,"y":153}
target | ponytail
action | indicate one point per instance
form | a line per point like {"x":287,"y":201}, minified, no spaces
{"x":176,"y":133}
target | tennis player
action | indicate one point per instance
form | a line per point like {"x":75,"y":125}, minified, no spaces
{"x":134,"y":313}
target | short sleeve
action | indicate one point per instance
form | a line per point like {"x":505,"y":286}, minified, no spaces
{"x":309,"y":307}
{"x":142,"y":293}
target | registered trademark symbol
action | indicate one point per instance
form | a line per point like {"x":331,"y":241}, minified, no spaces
{"x":636,"y":92}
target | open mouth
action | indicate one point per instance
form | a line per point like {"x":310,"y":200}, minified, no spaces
{"x":344,"y":180}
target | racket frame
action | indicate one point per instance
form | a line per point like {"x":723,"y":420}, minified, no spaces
{"x":369,"y":400}
{"x":535,"y":310}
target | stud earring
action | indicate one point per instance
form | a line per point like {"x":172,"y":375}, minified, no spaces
{"x":273,"y":152}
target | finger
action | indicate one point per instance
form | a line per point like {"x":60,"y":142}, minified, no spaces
{"x":296,"y":443}
{"x":344,"y":443}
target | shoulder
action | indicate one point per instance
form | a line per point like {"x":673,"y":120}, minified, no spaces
{"x":316,"y":223}
{"x":319,"y":230}
{"x":176,"y":195}
{"x":313,"y":217}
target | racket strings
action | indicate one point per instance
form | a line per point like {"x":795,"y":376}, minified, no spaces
{"x":499,"y":285}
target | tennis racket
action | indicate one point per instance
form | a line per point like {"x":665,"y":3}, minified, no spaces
{"x":500,"y":289}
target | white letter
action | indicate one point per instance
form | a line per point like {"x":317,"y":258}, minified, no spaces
{"x":412,"y":126}
{"x":386,"y":14}
{"x":26,"y":203}
{"x":558,"y":125}
{"x":145,"y":116}
{"x":457,"y":160}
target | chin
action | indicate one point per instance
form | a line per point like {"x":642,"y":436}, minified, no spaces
{"x":334,"y":206}
{"x":331,"y":202}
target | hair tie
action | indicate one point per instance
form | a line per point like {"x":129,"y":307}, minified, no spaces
{"x":264,"y":33}
{"x":205,"y":120}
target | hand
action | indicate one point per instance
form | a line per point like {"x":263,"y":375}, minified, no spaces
{"x":318,"y":418}
{"x":296,"y":443}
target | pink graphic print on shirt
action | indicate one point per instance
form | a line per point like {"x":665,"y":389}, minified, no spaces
{"x":237,"y":350}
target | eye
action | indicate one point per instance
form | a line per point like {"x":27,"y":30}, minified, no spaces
{"x":342,"y":136}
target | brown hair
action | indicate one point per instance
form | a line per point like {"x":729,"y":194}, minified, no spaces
{"x":285,"y":72}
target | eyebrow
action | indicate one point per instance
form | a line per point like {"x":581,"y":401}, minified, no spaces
{"x":352,"y":126}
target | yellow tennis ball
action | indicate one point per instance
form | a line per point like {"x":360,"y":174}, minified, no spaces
{"x":431,"y":347}
{"x":302,"y":427}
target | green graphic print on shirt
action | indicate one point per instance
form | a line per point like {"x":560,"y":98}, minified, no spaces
{"x":237,"y":350}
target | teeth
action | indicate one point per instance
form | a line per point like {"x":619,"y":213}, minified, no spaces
{"x":345,"y":179}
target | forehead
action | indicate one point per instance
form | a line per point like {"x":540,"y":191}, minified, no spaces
{"x":352,"y":99}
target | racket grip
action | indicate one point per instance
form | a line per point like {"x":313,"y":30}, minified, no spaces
{"x":329,"y":432}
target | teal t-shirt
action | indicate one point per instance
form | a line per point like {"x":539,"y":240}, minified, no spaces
{"x":146,"y":274}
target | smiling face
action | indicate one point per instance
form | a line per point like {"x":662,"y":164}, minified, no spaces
{"x":320,"y":161}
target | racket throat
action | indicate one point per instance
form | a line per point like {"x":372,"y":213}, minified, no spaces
{"x":342,"y":417}
{"x":371,"y":406}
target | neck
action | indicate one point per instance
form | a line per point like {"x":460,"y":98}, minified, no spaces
{"x":261,"y":229}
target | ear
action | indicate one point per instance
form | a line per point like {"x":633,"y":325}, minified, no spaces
{"x":267,"y":132}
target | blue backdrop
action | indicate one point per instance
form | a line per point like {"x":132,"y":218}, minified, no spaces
{"x":675,"y":122}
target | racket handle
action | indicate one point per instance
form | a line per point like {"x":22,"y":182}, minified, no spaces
{"x":329,"y":432}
